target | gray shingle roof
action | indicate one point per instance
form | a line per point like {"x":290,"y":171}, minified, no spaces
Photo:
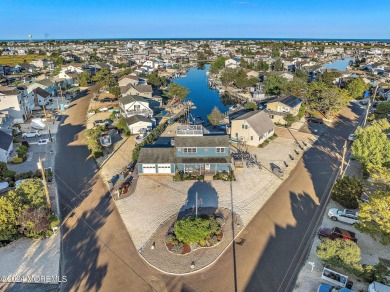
{"x":136,"y":119}
{"x":5,"y":140}
{"x":156,"y":155}
{"x":46,"y":82}
{"x":131,"y":98}
{"x":259,"y":121}
{"x":144,"y":88}
{"x":203,"y":141}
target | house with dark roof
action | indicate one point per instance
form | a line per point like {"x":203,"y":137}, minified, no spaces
{"x":252,"y":128}
{"x":131,"y":105}
{"x":138,"y":122}
{"x":41,"y":96}
{"x":6,"y":146}
{"x":280,"y":107}
{"x":195,"y":155}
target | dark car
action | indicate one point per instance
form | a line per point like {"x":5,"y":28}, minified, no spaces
{"x":315,"y":120}
{"x":106,"y":99}
{"x":108,"y":121}
{"x":131,"y":166}
{"x":336,"y":233}
{"x":114,"y":99}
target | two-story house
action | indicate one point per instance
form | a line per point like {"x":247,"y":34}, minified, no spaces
{"x":280,"y":107}
{"x":197,"y":155}
{"x":131,"y":105}
{"x":128,"y":79}
{"x":232,"y":63}
{"x":11,"y":103}
{"x":6,"y":146}
{"x":41,"y":96}
{"x":252,"y":128}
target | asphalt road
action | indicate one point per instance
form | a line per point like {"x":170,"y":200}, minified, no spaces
{"x":98,"y":254}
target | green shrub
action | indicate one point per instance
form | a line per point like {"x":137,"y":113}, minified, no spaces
{"x":17,"y":160}
{"x":273,"y":137}
{"x":54,"y":221}
{"x":265,"y":143}
{"x":15,"y":140}
{"x":347,"y":191}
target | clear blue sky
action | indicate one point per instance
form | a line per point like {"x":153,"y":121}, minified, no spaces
{"x":56,"y":19}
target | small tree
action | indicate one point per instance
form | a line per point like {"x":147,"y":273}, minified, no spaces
{"x":374,"y":216}
{"x":340,"y":253}
{"x":121,"y":124}
{"x":175,"y":91}
{"x":289,"y":119}
{"x":251,"y":106}
{"x":215,"y":117}
{"x":347,"y":191}
{"x":383,"y":109}
{"x":116,"y":91}
{"x":8,"y":219}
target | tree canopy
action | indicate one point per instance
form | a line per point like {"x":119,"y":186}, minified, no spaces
{"x":274,"y":84}
{"x":374,"y":216}
{"x":356,"y":88}
{"x":217,"y":65}
{"x":347,"y":191}
{"x":177,"y":91}
{"x":215,"y":117}
{"x":156,"y":80}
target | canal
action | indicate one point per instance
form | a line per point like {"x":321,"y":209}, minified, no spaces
{"x":339,"y":64}
{"x":201,"y":95}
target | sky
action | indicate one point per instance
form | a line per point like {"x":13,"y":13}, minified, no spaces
{"x":79,"y":19}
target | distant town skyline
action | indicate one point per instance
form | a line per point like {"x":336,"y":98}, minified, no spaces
{"x":71,"y":19}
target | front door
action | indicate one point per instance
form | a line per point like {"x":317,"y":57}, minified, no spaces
{"x":207,"y":166}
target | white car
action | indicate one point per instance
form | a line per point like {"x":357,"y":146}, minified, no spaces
{"x":346,"y":216}
{"x":31,"y":134}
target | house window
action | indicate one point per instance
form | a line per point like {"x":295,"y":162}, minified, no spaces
{"x":189,"y":150}
{"x":137,"y":107}
{"x":236,"y":134}
{"x":243,"y":126}
{"x":251,"y":138}
{"x":220,"y":149}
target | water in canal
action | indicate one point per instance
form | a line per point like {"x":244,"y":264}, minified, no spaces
{"x":201,"y":95}
{"x":340,"y":64}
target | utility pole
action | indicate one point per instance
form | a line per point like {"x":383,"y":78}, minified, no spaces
{"x":343,"y":159}
{"x":369,"y":105}
{"x":40,"y":167}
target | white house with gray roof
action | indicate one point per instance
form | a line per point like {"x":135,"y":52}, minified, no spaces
{"x":131,"y":105}
{"x":253,"y":128}
{"x":6,"y":146}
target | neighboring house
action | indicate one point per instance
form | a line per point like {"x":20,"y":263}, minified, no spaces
{"x":196,"y":155}
{"x":232,"y":63}
{"x":11,"y":102}
{"x":143,"y":90}
{"x":138,"y":122}
{"x":41,"y":96}
{"x":127,"y":80}
{"x":130,"y":105}
{"x":25,"y":67}
{"x":253,"y":128}
{"x":41,"y":63}
{"x":385,"y":93}
{"x":280,"y":107}
{"x":6,"y":146}
{"x":68,"y":76}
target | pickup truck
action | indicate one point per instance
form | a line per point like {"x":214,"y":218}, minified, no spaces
{"x":336,"y":233}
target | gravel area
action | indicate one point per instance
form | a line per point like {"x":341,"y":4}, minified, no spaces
{"x":371,"y":250}
{"x":164,"y":260}
{"x":27,"y":257}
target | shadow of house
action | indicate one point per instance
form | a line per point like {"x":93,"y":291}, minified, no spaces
{"x":207,"y":198}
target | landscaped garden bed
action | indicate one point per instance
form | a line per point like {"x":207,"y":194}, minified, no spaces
{"x":191,"y":233}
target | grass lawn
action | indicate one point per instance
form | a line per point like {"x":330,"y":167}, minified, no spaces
{"x":14,"y":60}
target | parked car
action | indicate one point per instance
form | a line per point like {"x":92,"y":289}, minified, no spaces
{"x":336,"y":233}
{"x":346,"y":216}
{"x":364,"y":102}
{"x":114,"y":99}
{"x":99,"y":123}
{"x":108,"y":121}
{"x":106,"y":99}
{"x":131,"y":166}
{"x":315,"y":120}
{"x":31,"y":134}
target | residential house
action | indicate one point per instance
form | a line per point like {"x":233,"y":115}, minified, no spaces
{"x":253,"y":128}
{"x":196,"y":155}
{"x":6,"y":146}
{"x":138,"y":122}
{"x":142,"y":90}
{"x":25,"y":67}
{"x":384,"y":91}
{"x":11,"y":103}
{"x":41,"y":96}
{"x":128,"y":79}
{"x":280,"y":107}
{"x":42,"y":63}
{"x":232,"y":63}
{"x":130,"y":105}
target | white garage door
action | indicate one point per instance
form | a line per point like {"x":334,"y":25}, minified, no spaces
{"x":148,"y":168}
{"x":164,"y":168}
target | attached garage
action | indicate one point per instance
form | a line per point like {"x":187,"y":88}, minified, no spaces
{"x":148,"y":168}
{"x":164,"y":168}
